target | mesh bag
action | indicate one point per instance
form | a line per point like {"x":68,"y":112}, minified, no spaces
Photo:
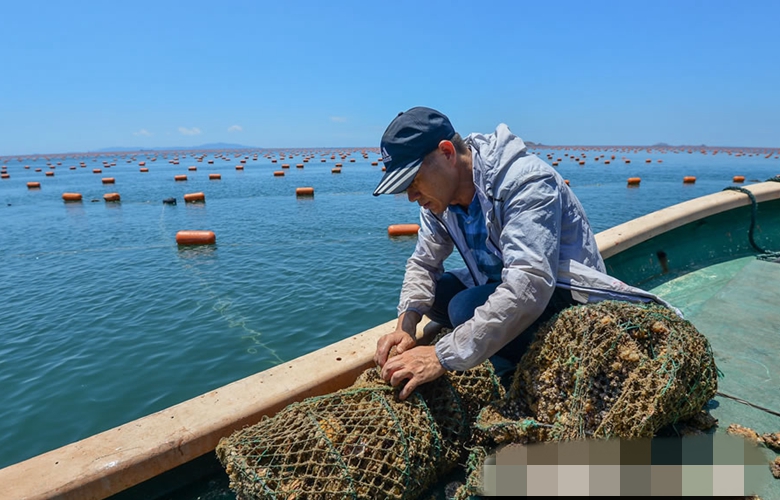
{"x":360,"y":442}
{"x":611,"y":369}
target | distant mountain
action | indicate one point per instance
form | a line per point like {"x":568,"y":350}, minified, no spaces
{"x":213,"y":145}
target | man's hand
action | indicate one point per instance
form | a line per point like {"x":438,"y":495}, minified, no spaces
{"x":399,"y":338}
{"x":417,"y":366}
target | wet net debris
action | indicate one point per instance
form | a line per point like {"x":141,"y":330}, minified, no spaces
{"x":360,"y":442}
{"x":611,"y":369}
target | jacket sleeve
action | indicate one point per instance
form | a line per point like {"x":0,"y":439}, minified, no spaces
{"x":530,"y":245}
{"x":425,"y":266}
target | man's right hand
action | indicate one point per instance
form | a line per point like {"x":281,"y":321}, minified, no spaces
{"x":399,"y":338}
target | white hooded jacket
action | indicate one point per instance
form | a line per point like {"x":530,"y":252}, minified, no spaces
{"x":539,"y":229}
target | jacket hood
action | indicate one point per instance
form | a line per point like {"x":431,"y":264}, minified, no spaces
{"x":497,"y":151}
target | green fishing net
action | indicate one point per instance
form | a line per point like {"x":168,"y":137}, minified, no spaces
{"x":360,"y":442}
{"x":610,"y":369}
{"x":605,"y":370}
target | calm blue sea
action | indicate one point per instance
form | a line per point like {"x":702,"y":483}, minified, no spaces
{"x":104,"y":319}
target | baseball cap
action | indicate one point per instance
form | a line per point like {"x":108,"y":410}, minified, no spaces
{"x":409,"y":137}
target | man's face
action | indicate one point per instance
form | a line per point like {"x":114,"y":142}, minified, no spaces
{"x":433,"y":186}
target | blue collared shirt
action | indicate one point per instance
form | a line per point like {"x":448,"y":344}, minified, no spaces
{"x":472,"y":224}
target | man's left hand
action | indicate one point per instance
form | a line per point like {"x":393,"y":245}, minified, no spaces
{"x":417,"y":366}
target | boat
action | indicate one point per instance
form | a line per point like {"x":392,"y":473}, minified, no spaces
{"x":701,"y":255}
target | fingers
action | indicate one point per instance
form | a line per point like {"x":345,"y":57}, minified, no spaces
{"x":388,"y":370}
{"x":380,"y":356}
{"x":406,"y":343}
{"x":396,"y":376}
{"x":383,"y":346}
{"x":417,"y":366}
{"x":400,"y":339}
{"x":410,"y":386}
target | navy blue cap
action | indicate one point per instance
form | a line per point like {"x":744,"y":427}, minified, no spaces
{"x":408,"y":139}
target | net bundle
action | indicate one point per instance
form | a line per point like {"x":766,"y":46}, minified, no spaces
{"x":610,"y":369}
{"x":360,"y":442}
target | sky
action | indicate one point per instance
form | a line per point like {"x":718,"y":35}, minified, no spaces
{"x":80,"y":76}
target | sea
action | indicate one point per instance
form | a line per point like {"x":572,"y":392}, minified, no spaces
{"x":105,"y":319}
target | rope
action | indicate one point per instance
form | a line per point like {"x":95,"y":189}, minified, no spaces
{"x":765,"y":254}
{"x":748,"y":403}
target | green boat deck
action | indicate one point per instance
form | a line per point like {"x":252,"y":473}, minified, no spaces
{"x":743,"y":327}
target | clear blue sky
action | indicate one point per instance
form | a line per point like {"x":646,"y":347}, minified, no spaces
{"x":85,"y":75}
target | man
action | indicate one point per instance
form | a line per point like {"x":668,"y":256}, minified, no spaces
{"x":525,"y":239}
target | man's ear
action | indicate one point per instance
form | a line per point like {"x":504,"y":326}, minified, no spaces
{"x":448,"y":150}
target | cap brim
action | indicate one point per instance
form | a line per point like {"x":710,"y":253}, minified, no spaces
{"x":398,"y":180}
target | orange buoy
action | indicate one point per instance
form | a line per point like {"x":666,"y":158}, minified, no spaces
{"x":97,"y":171}
{"x":71,"y":196}
{"x":196,"y":238}
{"x":634,"y":181}
{"x":566,"y":181}
{"x":278,"y":173}
{"x":304,"y":191}
{"x":738,"y":178}
{"x":33,"y":185}
{"x":50,"y":173}
{"x":111,"y":196}
{"x":335,"y":170}
{"x":108,"y":180}
{"x":606,"y":162}
{"x":403,"y":229}
{"x":285,"y":165}
{"x":192,"y":169}
{"x":194,"y":197}
{"x":299,"y":165}
{"x":180,"y":177}
{"x":215,"y":177}
{"x":689,"y":179}
{"x":239,"y":167}
{"x":555,"y":164}
{"x":144,"y":169}
{"x":141,"y":163}
{"x":339,"y":165}
{"x":374,"y":163}
{"x":627,"y":161}
{"x":384,"y":168}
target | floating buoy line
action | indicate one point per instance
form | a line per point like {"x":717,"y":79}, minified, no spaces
{"x":335,"y":159}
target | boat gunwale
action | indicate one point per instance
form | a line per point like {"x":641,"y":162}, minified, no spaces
{"x":624,"y":236}
{"x":114,"y":460}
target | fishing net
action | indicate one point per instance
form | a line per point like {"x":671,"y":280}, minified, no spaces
{"x":610,"y":369}
{"x":360,"y":442}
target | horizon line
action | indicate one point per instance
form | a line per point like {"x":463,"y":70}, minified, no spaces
{"x":529,"y":144}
